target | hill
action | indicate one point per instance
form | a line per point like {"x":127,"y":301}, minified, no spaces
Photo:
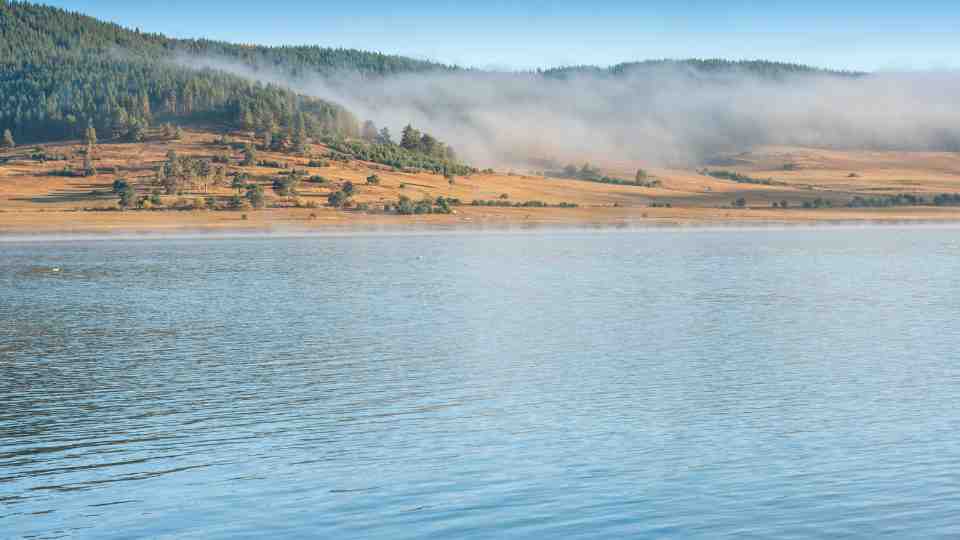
{"x":61,"y":72}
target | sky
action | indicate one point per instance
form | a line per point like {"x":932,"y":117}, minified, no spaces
{"x":878,"y":35}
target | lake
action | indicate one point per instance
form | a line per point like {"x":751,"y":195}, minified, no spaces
{"x":795,"y":382}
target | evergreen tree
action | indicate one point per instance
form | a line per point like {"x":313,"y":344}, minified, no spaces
{"x":249,"y":156}
{"x":128,"y":196}
{"x":428,"y":145}
{"x":410,"y":138}
{"x":136,"y":132}
{"x":255,"y":196}
{"x":384,"y":136}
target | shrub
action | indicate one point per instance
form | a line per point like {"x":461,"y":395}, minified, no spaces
{"x":255,"y":196}
{"x":338,"y":199}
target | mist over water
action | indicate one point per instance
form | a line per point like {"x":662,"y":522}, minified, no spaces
{"x":662,"y":115}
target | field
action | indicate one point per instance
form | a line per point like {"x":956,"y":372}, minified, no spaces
{"x":35,"y":199}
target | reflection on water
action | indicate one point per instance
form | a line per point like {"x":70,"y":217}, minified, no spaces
{"x":576,"y":384}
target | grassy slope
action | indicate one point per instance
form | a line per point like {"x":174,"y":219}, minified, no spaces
{"x":33,"y":200}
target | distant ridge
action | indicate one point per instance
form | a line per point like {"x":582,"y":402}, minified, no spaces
{"x":62,"y":71}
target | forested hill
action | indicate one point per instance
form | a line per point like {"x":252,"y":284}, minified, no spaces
{"x":62,"y":71}
{"x":759,"y":68}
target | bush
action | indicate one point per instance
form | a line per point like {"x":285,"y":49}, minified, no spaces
{"x":255,"y":196}
{"x":741,"y":178}
{"x":373,"y":180}
{"x":338,"y":199}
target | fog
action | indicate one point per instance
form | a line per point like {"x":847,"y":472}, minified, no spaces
{"x":665,"y":115}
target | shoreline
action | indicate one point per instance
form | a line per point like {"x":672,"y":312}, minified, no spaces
{"x":294,"y":222}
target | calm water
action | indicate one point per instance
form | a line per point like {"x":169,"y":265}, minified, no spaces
{"x":671,"y":383}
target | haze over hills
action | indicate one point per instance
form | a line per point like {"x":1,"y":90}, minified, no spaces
{"x":61,"y":72}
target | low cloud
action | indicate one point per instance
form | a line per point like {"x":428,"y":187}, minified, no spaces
{"x":664,"y":115}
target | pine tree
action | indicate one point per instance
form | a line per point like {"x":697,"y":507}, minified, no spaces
{"x":428,"y":144}
{"x":410,"y":139}
{"x":384,"y":136}
{"x":136,"y":132}
{"x":8,"y":141}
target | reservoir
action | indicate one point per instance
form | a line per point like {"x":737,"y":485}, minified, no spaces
{"x":798,"y":382}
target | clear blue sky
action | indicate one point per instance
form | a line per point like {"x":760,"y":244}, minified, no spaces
{"x":850,"y":34}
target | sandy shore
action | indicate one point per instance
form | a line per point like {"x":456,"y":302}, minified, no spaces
{"x":278,"y":220}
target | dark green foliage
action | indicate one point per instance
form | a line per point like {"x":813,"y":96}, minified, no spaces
{"x":128,"y":196}
{"x":760,"y":68}
{"x":338,"y":199}
{"x":741,"y":178}
{"x":249,"y":156}
{"x":399,"y":157}
{"x":819,"y":202}
{"x":590,"y":174}
{"x":658,"y":204}
{"x":348,"y":188}
{"x":61,"y":72}
{"x":405,"y":206}
{"x":119,"y":185}
{"x":178,"y":174}
{"x":373,"y":180}
{"x":905,"y":199}
{"x":255,"y":196}
{"x":526,"y":204}
{"x":136,"y":131}
{"x":288,"y":184}
{"x":272,"y":164}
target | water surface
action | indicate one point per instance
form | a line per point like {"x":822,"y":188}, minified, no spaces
{"x":665,"y":383}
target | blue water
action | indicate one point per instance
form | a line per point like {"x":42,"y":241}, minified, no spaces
{"x":791,"y":383}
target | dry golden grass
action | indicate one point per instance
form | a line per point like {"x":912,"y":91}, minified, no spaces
{"x":33,"y":200}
